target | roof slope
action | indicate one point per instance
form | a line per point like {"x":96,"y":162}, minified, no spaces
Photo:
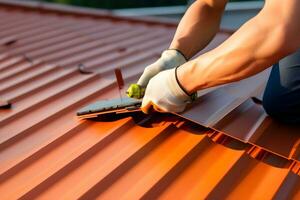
{"x":46,"y":152}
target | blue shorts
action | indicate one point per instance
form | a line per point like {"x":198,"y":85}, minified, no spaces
{"x":282,"y":95}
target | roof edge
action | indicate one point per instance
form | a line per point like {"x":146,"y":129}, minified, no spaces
{"x":90,"y":12}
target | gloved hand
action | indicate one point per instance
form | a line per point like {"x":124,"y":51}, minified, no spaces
{"x":164,"y":93}
{"x":170,"y":58}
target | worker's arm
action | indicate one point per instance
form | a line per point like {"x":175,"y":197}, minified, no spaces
{"x":262,"y":41}
{"x":196,"y":29}
{"x":265,"y":39}
{"x":198,"y":26}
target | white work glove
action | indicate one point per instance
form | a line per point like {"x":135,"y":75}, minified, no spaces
{"x":164,"y":94}
{"x":170,"y":58}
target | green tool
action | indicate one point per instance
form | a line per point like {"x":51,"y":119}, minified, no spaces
{"x":135,"y":91}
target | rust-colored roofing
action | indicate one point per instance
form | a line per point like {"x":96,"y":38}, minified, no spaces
{"x":55,"y":60}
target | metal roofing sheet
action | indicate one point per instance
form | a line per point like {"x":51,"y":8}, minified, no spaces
{"x":46,"y":152}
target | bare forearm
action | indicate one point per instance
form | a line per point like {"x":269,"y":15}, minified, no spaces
{"x":198,"y":26}
{"x":254,"y":47}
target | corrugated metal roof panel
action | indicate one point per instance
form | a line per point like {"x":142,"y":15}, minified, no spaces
{"x":46,"y":152}
{"x":257,"y":128}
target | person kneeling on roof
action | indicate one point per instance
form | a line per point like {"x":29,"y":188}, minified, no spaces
{"x":272,"y":35}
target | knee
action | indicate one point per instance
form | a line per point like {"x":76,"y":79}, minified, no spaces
{"x":271,"y":105}
{"x":277,"y":108}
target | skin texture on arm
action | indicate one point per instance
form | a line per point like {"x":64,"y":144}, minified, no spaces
{"x":262,"y":41}
{"x":198,"y":26}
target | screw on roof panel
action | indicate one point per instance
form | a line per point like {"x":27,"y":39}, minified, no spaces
{"x":82,"y":69}
{"x":5,"y":104}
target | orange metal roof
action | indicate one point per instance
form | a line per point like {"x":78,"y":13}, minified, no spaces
{"x":46,"y":152}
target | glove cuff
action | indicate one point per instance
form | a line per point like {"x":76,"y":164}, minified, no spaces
{"x":169,"y":59}
{"x":177,"y":88}
{"x":193,"y":96}
{"x":180,"y":52}
{"x":172,"y":58}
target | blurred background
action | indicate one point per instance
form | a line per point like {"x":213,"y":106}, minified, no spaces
{"x":117,"y":4}
{"x":236,"y":13}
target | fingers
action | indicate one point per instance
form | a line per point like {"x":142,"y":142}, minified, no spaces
{"x":144,"y":79}
{"x":149,"y":107}
{"x":149,"y":72}
{"x":157,"y":108}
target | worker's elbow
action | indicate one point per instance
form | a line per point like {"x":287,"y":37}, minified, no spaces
{"x":282,"y":32}
{"x":278,"y":39}
{"x":281,"y":41}
{"x":282,"y":22}
{"x":286,"y":38}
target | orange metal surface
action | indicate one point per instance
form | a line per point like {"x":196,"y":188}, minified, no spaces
{"x":47,"y":153}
